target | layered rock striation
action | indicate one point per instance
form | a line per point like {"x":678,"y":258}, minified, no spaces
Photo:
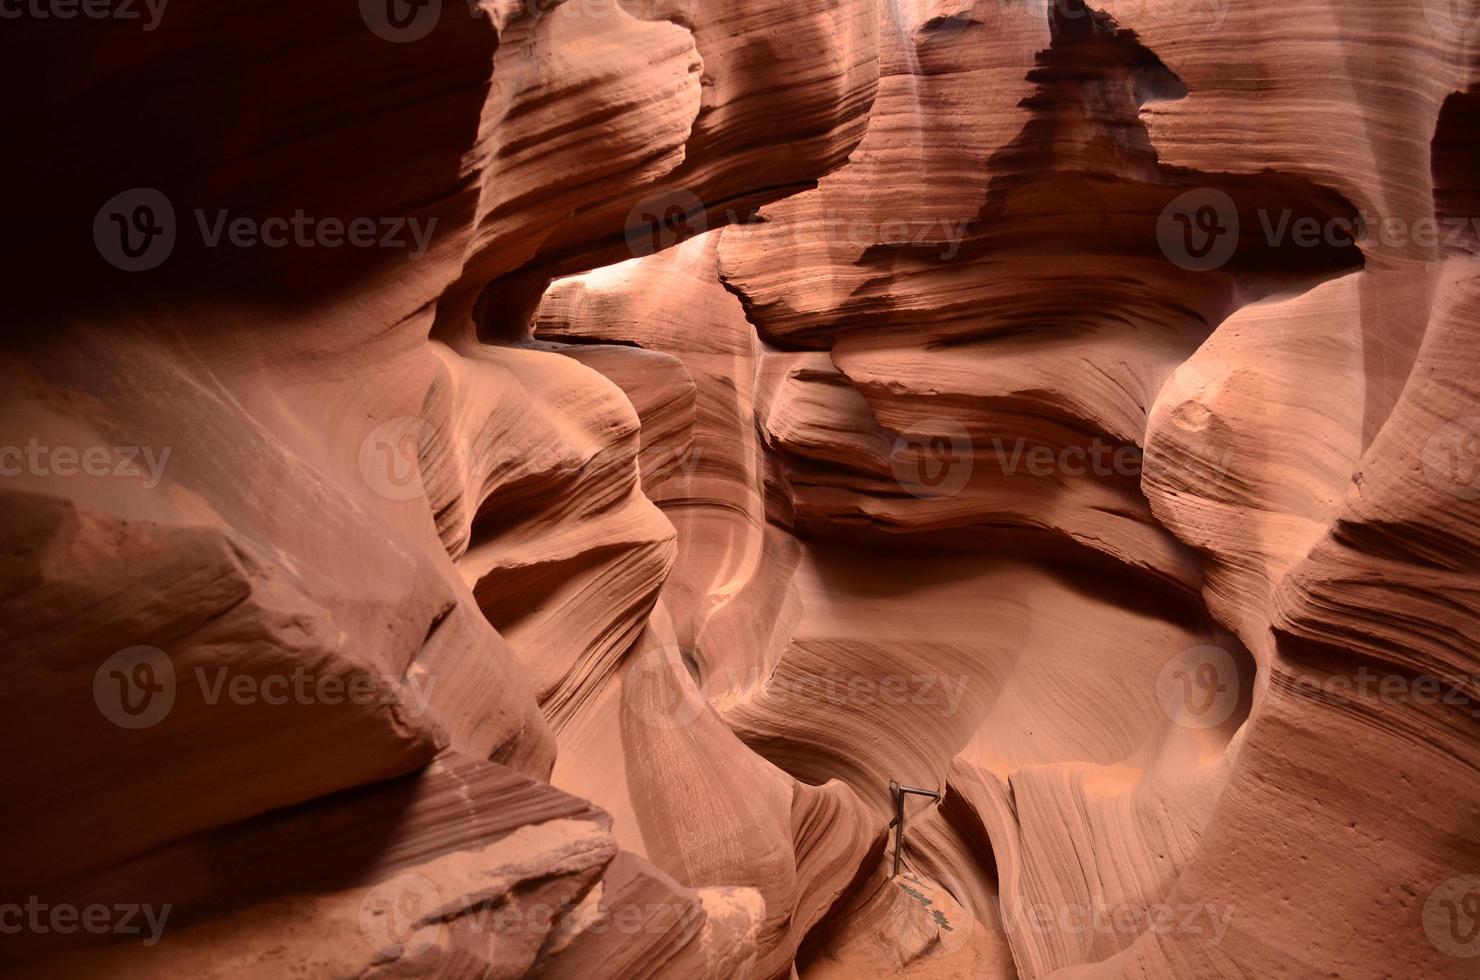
{"x":501,"y":489}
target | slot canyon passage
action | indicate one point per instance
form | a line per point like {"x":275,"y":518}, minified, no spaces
{"x":501,"y":488}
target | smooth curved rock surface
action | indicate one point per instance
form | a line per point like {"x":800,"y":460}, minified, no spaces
{"x":500,"y":489}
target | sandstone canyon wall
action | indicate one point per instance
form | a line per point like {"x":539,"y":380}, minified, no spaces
{"x":499,"y":488}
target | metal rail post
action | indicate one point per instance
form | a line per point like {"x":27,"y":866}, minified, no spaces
{"x":898,"y":793}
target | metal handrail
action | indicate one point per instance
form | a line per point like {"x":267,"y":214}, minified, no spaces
{"x":898,"y":793}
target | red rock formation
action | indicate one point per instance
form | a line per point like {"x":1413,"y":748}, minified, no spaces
{"x":500,"y":489}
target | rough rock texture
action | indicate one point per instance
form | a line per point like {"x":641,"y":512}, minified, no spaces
{"x":499,"y":489}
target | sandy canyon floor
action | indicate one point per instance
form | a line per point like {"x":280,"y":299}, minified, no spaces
{"x":502,"y":488}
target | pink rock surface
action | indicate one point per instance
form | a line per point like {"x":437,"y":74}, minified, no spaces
{"x":501,"y":489}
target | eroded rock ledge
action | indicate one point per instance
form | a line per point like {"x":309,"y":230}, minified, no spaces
{"x":499,"y":489}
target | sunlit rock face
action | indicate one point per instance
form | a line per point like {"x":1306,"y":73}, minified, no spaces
{"x":513,"y":488}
